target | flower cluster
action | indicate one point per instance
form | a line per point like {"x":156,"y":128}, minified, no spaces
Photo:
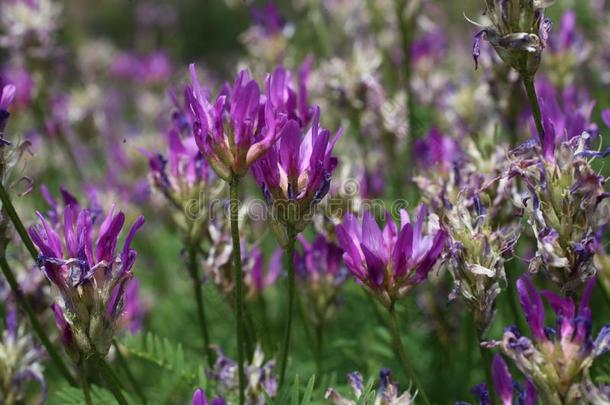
{"x":518,"y":32}
{"x":89,"y":274}
{"x":260,"y":378}
{"x":321,"y":273}
{"x":476,"y":257}
{"x":567,"y":207}
{"x":393,"y":261}
{"x":556,"y":360}
{"x":387,"y":392}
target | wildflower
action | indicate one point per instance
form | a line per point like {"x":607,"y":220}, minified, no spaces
{"x":260,"y":378}
{"x":518,"y":32}
{"x":295,"y":175}
{"x":437,"y":150}
{"x":321,"y":273}
{"x":91,"y":279}
{"x":387,"y":391}
{"x":556,"y":359}
{"x":237,"y":129}
{"x":218,"y":265}
{"x":20,"y":360}
{"x":391,"y":262}
{"x":476,"y":257}
{"x":506,"y":387}
{"x":199,"y":398}
{"x":134,"y":308}
{"x":567,"y":207}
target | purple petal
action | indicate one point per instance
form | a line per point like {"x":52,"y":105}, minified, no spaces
{"x":532,"y":306}
{"x":375,"y":267}
{"x":531,"y":395}
{"x":372,"y":237}
{"x":130,"y":235}
{"x":199,"y":397}
{"x":476,"y":47}
{"x":606,"y":117}
{"x":503,"y":381}
{"x":403,"y":250}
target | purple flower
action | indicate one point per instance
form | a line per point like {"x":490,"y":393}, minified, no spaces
{"x":555,"y":359}
{"x":437,"y":150}
{"x":146,"y":69}
{"x":387,"y":391}
{"x":22,"y":80}
{"x":237,"y":129}
{"x":90,"y":273}
{"x":295,"y":174}
{"x":268,"y":17}
{"x":390,"y":262}
{"x":134,"y":310}
{"x":199,"y":398}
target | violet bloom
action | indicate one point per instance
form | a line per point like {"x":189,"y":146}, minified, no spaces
{"x":321,"y":273}
{"x":199,"y":398}
{"x":268,"y":18}
{"x":437,"y":151}
{"x":7,"y":94}
{"x":509,"y":391}
{"x":23,"y":82}
{"x":134,"y":309}
{"x":237,"y":129}
{"x":295,"y":175}
{"x":391,"y":262}
{"x":90,"y":275}
{"x":556,"y":360}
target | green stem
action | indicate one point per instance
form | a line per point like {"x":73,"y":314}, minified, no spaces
{"x":42,"y":336}
{"x":85,"y":384}
{"x":239,"y":295}
{"x":112,"y":382}
{"x":402,"y":355}
{"x":250,"y":335}
{"x":8,"y":207}
{"x":123,"y":364}
{"x":291,"y":295}
{"x":604,"y":291}
{"x":530,"y":89}
{"x":486,"y":364}
{"x":197,"y":289}
{"x":319,"y":350}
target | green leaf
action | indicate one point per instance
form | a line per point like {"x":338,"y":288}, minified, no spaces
{"x":295,"y":391}
{"x":309,"y":390}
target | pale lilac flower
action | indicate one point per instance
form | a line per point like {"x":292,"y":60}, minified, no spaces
{"x":387,"y":392}
{"x":199,"y":398}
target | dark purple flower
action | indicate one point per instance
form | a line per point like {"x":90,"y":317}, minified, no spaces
{"x":503,"y":381}
{"x":437,"y":150}
{"x":237,"y":129}
{"x":90,"y":273}
{"x":392,"y":261}
{"x":7,"y":94}
{"x":295,"y":174}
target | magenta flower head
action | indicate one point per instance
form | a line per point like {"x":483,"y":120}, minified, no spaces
{"x":295,"y":175}
{"x":556,"y":360}
{"x":237,"y":129}
{"x":7,"y":94}
{"x":199,"y":398}
{"x":90,"y":274}
{"x":390,"y":262}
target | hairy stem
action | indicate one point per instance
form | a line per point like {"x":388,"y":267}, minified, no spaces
{"x":193,"y":270}
{"x":291,"y":293}
{"x":402,"y":355}
{"x":239,"y":295}
{"x":40,"y":333}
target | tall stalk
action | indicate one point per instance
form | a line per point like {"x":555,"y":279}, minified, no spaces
{"x":402,"y":355}
{"x":193,"y":270}
{"x":239,"y":295}
{"x":291,"y":295}
{"x":85,"y":384}
{"x":530,"y":89}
